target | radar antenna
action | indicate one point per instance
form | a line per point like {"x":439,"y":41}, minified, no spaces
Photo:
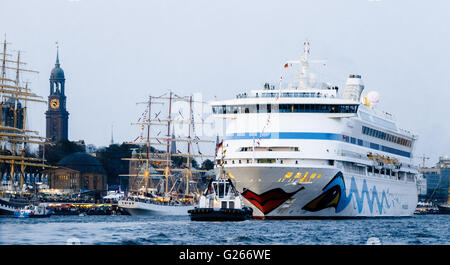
{"x":303,"y":77}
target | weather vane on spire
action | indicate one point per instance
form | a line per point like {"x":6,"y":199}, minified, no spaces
{"x":57,"y":53}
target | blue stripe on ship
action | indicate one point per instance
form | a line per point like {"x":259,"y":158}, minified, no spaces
{"x":316,"y":136}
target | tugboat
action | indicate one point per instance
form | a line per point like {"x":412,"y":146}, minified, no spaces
{"x":33,"y":211}
{"x":221,"y":202}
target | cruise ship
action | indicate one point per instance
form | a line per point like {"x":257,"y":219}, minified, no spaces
{"x":312,"y":150}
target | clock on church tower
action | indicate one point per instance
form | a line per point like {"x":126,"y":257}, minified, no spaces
{"x":57,"y":115}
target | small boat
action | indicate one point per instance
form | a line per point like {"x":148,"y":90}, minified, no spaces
{"x":114,"y":195}
{"x":221,"y":202}
{"x":424,"y":208}
{"x":33,"y":211}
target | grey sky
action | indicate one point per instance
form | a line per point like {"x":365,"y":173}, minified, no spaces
{"x":115,"y":53}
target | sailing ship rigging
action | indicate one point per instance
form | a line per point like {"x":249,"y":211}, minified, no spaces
{"x":15,"y":138}
{"x":176,"y":185}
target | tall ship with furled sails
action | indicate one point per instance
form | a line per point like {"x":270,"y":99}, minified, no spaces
{"x":311,"y":150}
{"x":15,"y":138}
{"x":158,"y":186}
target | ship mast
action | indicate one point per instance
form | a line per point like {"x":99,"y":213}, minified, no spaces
{"x":147,"y":166}
{"x":12,"y":133}
{"x":3,"y":70}
{"x":188,"y":163}
{"x":147,"y":160}
{"x":167,"y":170}
{"x":162,"y":161}
{"x":303,"y":76}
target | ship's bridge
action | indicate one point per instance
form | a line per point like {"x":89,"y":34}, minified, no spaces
{"x":270,"y":91}
{"x":271,"y":100}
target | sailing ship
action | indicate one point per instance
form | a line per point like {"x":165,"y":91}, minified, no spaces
{"x":158,"y":185}
{"x":33,"y":211}
{"x":15,"y":138}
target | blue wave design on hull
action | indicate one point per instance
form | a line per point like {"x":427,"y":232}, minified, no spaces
{"x":335,"y":195}
{"x":365,"y":191}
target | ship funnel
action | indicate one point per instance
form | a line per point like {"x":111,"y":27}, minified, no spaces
{"x":353,"y":88}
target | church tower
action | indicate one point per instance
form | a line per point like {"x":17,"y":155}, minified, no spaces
{"x":57,"y":115}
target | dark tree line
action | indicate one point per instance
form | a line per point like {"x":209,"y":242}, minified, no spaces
{"x":207,"y":164}
{"x":111,"y":158}
{"x":55,"y":152}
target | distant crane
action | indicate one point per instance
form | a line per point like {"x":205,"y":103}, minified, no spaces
{"x":423,"y":157}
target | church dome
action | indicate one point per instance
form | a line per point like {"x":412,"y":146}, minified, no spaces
{"x":57,"y":73}
{"x":83,"y":162}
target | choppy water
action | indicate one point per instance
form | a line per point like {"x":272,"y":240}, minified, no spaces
{"x":426,"y":229}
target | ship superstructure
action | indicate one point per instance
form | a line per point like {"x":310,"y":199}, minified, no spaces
{"x":309,"y":149}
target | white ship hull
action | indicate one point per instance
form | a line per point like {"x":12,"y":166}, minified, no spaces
{"x":303,"y":150}
{"x":280,"y":193}
{"x":136,"y":208}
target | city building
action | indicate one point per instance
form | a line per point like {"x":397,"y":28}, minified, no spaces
{"x":437,"y":181}
{"x":79,"y":172}
{"x":7,"y":114}
{"x":57,"y":116}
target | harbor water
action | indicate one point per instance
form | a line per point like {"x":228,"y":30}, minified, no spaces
{"x":131,"y":230}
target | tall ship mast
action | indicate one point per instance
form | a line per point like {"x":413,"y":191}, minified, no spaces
{"x":157,"y":185}
{"x":307,"y":149}
{"x":15,"y":137}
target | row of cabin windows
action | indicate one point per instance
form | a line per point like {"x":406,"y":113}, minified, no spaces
{"x":292,"y":94}
{"x":295,"y":94}
{"x":350,"y":167}
{"x":386,"y":136}
{"x":388,"y":172}
{"x":305,"y":95}
{"x":284,"y":108}
{"x":266,"y":161}
{"x":269,"y":149}
{"x":259,"y":161}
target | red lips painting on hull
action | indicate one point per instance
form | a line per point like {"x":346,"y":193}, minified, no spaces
{"x":269,"y":200}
